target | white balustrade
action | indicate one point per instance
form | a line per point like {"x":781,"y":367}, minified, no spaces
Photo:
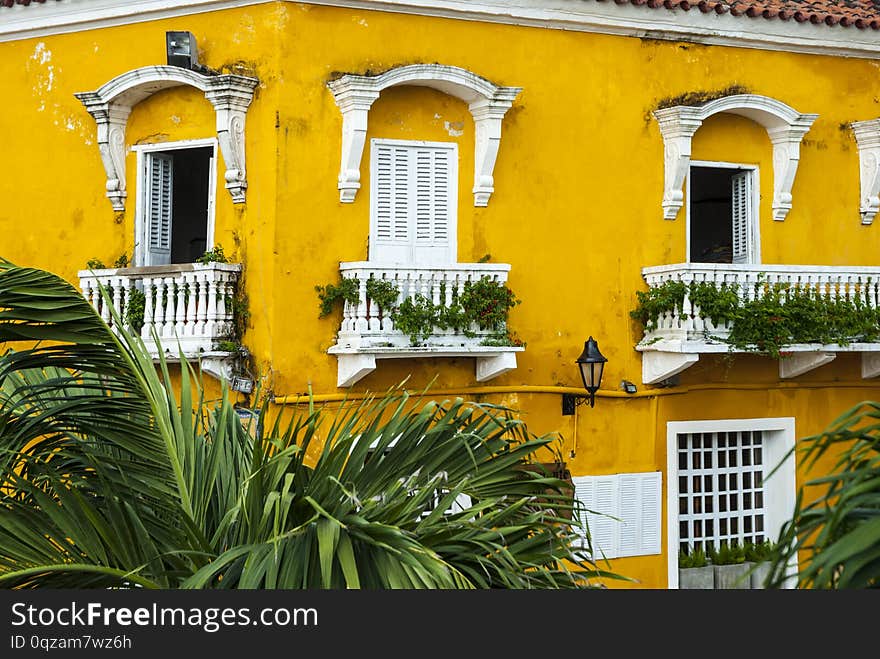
{"x":365,"y":324}
{"x":751,"y":282}
{"x":181,"y":303}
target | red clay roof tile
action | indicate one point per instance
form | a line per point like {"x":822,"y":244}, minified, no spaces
{"x":862,"y":14}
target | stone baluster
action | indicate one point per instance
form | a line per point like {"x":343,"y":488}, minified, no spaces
{"x":192,"y":303}
{"x":168,"y":290}
{"x":211,"y":313}
{"x":222,"y":326}
{"x":685,"y":320}
{"x":361,"y":324}
{"x":146,"y":328}
{"x":180,"y":315}
{"x":201,"y":281}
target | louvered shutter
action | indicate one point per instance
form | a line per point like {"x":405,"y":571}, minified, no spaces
{"x":741,"y":195}
{"x":160,"y":180}
{"x":624,"y":513}
{"x":413,"y":202}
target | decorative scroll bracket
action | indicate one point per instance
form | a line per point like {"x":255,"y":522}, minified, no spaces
{"x":111,"y":105}
{"x":487,"y":102}
{"x":868,"y":140}
{"x":785,"y":127}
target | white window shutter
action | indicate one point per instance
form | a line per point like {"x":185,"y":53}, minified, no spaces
{"x":624,"y":517}
{"x":160,"y":184}
{"x":413,"y":202}
{"x":741,"y":184}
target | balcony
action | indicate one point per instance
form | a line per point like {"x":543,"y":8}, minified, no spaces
{"x":367,"y":332}
{"x":189,"y":303}
{"x":676,"y":338}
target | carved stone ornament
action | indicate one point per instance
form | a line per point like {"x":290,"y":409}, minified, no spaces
{"x":785,"y":127}
{"x":868,"y":140}
{"x":487,"y":102}
{"x":111,"y":104}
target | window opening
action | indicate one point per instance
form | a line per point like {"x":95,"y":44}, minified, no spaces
{"x":722,"y":215}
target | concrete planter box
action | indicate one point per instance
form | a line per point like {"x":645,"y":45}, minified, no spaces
{"x":696,"y":578}
{"x":730,"y":577}
{"x":759,"y":576}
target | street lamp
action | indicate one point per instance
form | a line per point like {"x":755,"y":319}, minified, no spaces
{"x":591,"y":364}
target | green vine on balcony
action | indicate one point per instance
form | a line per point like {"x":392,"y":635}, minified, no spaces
{"x":484,"y":304}
{"x":778,"y":316}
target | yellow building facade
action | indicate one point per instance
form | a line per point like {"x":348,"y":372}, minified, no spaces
{"x":576,"y":143}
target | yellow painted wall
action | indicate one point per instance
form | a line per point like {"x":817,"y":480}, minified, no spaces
{"x":576,"y":209}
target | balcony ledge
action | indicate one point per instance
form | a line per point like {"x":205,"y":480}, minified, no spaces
{"x":356,"y":363}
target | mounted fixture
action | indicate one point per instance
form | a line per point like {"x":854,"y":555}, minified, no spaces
{"x":628,"y":386}
{"x":591,"y":364}
{"x":181,"y":49}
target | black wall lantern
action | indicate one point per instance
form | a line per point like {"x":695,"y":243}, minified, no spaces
{"x":591,"y":364}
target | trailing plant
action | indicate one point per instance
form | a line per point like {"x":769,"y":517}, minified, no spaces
{"x":727,"y":553}
{"x":775,"y":316}
{"x":121,"y":261}
{"x":503,"y":338}
{"x":214,"y":255}
{"x":134,"y":309}
{"x":657,"y":300}
{"x":382,"y":292}
{"x":95,"y":264}
{"x":331,"y":294}
{"x":694,"y":558}
{"x":417,"y":317}
{"x":487,"y":302}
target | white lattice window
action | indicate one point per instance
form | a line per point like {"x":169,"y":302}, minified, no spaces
{"x":723,"y":213}
{"x":413,"y":202}
{"x":621,"y":512}
{"x":720,"y":487}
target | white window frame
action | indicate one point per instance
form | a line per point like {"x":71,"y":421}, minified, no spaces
{"x":453,"y":199}
{"x":140,"y":223}
{"x":780,"y":489}
{"x":755,"y":246}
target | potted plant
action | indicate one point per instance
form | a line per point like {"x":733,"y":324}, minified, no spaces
{"x":694,"y":571}
{"x":759,"y":555}
{"x":731,"y":569}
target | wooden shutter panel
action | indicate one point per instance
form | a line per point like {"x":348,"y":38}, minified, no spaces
{"x":160,"y":180}
{"x":413,"y":202}
{"x":625,"y":513}
{"x":741,"y":194}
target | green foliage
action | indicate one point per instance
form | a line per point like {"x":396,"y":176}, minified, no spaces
{"x":835,"y":531}
{"x":228,"y":345}
{"x":121,"y":261}
{"x":215,"y":255}
{"x":118,"y":475}
{"x":331,"y":294}
{"x":95,"y":264}
{"x":777,"y":316}
{"x":759,"y":552}
{"x":484,"y":304}
{"x":417,"y":317}
{"x":727,"y":554}
{"x":382,"y":292}
{"x":134,"y":309}
{"x":487,"y":302}
{"x":657,"y":300}
{"x":693,"y":558}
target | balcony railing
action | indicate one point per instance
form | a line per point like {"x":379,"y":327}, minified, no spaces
{"x":190,"y":303}
{"x":681,"y":334}
{"x":367,"y":331}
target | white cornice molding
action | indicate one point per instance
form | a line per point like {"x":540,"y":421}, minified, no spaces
{"x":785,"y":126}
{"x":488,"y":103}
{"x":20,"y":22}
{"x":867,"y":135}
{"x":111,"y":104}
